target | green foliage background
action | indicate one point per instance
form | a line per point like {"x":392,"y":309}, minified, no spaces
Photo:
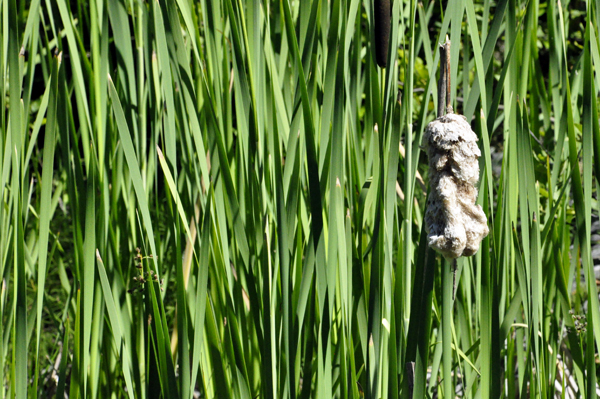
{"x":225,"y":199}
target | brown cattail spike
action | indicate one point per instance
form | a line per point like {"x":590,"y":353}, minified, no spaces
{"x":382,"y":31}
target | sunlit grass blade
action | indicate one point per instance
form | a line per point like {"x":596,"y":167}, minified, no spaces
{"x":173,"y":190}
{"x":133,"y":165}
{"x":309,"y":130}
{"x":589,"y":131}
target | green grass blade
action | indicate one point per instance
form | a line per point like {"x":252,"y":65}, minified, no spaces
{"x":115,"y":321}
{"x":46,"y":210}
{"x":134,"y":168}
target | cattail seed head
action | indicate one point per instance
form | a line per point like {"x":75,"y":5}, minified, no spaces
{"x":383,"y":14}
{"x":454,"y":223}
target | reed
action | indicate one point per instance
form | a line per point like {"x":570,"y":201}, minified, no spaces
{"x":208,"y":199}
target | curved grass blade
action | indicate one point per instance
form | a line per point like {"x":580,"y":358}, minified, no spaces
{"x":134,"y":169}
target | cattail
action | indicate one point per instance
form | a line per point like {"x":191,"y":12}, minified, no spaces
{"x":382,"y":31}
{"x":455,"y":225}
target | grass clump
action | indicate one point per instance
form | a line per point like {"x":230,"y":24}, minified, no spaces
{"x":246,"y":154}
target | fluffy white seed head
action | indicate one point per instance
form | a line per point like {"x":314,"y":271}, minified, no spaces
{"x":455,"y":225}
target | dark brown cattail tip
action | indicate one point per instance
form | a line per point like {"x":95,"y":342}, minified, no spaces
{"x":383,"y":14}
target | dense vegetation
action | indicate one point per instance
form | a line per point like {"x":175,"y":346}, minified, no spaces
{"x":226,"y":198}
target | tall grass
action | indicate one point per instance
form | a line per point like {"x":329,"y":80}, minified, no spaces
{"x":226,"y":198}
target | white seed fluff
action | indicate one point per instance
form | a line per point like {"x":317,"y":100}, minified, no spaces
{"x":454,"y":224}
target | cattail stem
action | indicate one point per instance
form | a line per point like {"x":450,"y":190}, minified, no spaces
{"x":442,"y":83}
{"x":448,"y":77}
{"x":444,"y":92}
